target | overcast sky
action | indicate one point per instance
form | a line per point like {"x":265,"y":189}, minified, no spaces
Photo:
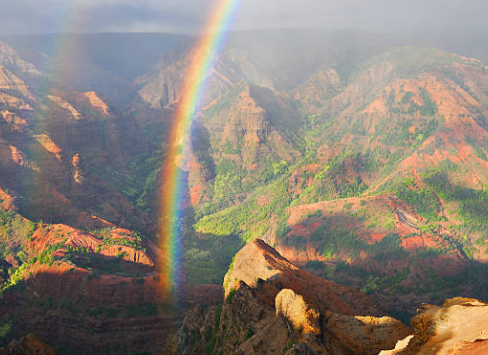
{"x":47,"y":16}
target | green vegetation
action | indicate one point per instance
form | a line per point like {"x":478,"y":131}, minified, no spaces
{"x":248,"y":334}
{"x":226,"y":101}
{"x":247,"y":219}
{"x":411,"y":62}
{"x":14,"y":231}
{"x":211,"y":337}
{"x":422,"y":199}
{"x":14,"y":228}
{"x":5,"y":329}
{"x":377,"y":284}
{"x":331,"y":239}
{"x":280,"y":168}
{"x":472,"y":205}
{"x":49,"y":303}
{"x":227,"y":186}
{"x":428,"y":107}
{"x":334,"y":180}
{"x":128,"y":240}
{"x":46,"y":256}
{"x":137,"y":183}
{"x":206,"y":261}
{"x":230,"y":297}
{"x":289,"y":344}
{"x":480,"y":153}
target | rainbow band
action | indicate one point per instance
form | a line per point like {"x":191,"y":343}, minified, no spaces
{"x":202,"y":60}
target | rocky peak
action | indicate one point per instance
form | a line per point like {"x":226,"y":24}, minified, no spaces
{"x":322,"y":86}
{"x":258,"y":262}
{"x":254,"y":121}
{"x":273,"y":307}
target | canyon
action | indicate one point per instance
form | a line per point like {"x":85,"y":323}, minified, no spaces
{"x":330,"y":193}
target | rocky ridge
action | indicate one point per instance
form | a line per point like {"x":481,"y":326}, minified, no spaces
{"x":273,"y":307}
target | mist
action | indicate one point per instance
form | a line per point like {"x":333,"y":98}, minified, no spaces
{"x":379,"y":16}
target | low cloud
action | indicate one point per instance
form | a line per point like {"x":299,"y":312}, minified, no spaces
{"x":188,"y":16}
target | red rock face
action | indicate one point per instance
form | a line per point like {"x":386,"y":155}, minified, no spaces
{"x":39,"y":137}
{"x":270,"y":302}
{"x":258,"y":261}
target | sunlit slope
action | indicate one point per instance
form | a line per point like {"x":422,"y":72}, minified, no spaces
{"x":390,"y":186}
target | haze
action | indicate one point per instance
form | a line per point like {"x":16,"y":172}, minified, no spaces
{"x":383,"y":16}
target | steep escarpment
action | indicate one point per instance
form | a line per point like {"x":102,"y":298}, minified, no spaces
{"x":10,"y":59}
{"x":68,"y":156}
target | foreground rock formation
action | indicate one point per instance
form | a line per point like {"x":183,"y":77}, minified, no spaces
{"x":458,"y":327}
{"x":273,"y":307}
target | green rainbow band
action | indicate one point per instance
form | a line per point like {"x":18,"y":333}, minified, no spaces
{"x":202,"y":60}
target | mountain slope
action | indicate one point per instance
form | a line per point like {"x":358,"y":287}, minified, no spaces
{"x":390,"y":188}
{"x":367,"y":169}
{"x":239,"y":143}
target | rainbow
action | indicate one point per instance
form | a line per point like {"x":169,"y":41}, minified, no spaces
{"x":172,"y":187}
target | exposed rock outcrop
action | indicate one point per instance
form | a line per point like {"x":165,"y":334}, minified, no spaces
{"x":273,"y":307}
{"x":458,"y":327}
